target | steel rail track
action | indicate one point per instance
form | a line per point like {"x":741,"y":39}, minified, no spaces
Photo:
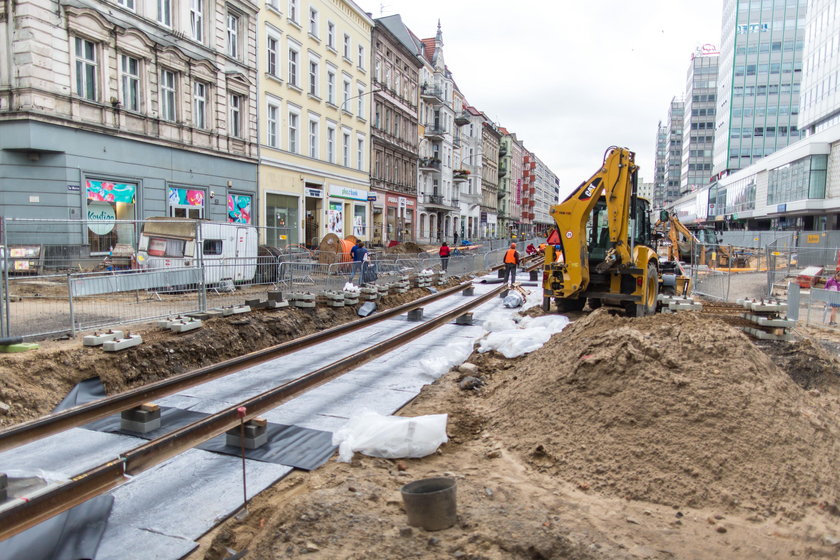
{"x":51,"y":424}
{"x":54,"y":500}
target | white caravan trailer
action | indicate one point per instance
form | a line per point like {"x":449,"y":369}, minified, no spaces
{"x":228,"y":251}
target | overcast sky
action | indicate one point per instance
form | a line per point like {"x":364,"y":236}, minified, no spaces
{"x":570,"y":78}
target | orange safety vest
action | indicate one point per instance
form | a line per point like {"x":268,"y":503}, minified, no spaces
{"x":510,"y":256}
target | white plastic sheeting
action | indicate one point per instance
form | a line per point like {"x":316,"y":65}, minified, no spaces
{"x":527,"y":335}
{"x":391,"y":437}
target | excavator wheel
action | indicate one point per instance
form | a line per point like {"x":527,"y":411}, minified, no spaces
{"x":566,"y":305}
{"x":546,"y":304}
{"x":648,"y":304}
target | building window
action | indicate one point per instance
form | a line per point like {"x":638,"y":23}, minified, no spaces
{"x":313,"y":137}
{"x":272,"y":56}
{"x":313,"y":77}
{"x":345,"y":149}
{"x":361,"y":108}
{"x":377,"y":70}
{"x":200,"y":105}
{"x":293,"y":132}
{"x":109,"y":200}
{"x":126,"y":4}
{"x":331,"y":35}
{"x":313,"y":22}
{"x":236,"y":115}
{"x":344,"y":104}
{"x":188,"y":203}
{"x":360,"y":154}
{"x":233,"y":35}
{"x":331,"y":87}
{"x":273,"y":125}
{"x":86,"y":69}
{"x":347,"y":46}
{"x":164,"y":12}
{"x":239,"y":208}
{"x":130,"y":82}
{"x":361,"y":57}
{"x":197,"y":20}
{"x":167,"y":95}
{"x":293,"y":66}
{"x":293,"y":10}
{"x":331,"y":144}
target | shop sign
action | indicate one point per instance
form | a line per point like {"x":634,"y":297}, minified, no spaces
{"x":813,"y":238}
{"x":348,"y":192}
{"x":100,"y":217}
{"x":74,"y":188}
{"x":314,"y":193}
{"x":371,"y":197}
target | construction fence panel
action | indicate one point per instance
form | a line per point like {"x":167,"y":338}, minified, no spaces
{"x":38,"y":305}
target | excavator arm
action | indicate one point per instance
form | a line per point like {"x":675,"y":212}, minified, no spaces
{"x":615,"y":180}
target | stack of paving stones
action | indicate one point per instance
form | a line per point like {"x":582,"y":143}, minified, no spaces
{"x":332,"y":299}
{"x":382,"y":290}
{"x":440,"y":278}
{"x":401,"y":286}
{"x":769,"y":318}
{"x":351,"y":297}
{"x":422,"y":279}
{"x":369,"y":293}
{"x":672,"y":304}
{"x":303,"y":300}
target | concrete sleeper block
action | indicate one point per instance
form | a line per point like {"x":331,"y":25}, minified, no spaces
{"x":98,"y":339}
{"x":122,"y":343}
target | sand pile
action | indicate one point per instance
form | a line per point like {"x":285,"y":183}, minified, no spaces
{"x":681,"y":410}
{"x":407,"y":248}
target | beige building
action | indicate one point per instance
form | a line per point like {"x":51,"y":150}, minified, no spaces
{"x":314,"y":96}
{"x":490,"y":138}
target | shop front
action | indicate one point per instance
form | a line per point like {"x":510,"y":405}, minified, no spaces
{"x":281,"y":218}
{"x":107,"y":201}
{"x":347,"y":213}
{"x":399,"y":218}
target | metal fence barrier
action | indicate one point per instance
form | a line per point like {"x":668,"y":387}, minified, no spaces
{"x":42,"y":305}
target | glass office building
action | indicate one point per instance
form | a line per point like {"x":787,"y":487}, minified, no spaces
{"x":760,"y":72}
{"x":699,"y":124}
{"x":820,"y":96}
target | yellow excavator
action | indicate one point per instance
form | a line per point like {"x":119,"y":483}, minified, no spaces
{"x":602,"y":250}
{"x":689,"y":245}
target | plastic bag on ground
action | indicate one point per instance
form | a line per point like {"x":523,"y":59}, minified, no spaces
{"x":515,"y":342}
{"x":513,"y":299}
{"x":390,"y":437}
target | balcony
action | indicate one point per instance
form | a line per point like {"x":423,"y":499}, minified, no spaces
{"x":434,"y":199}
{"x":460,"y":175}
{"x":502,"y":150}
{"x":501,"y":193}
{"x":432,"y":94}
{"x":430,"y":165}
{"x":502,"y":170}
{"x":462,"y":118}
{"x":433,"y":132}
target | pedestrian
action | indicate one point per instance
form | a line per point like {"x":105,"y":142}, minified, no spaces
{"x":357,"y":253}
{"x":833,"y":285}
{"x":511,"y":260}
{"x":530,"y":249}
{"x":444,"y":253}
{"x":455,"y":239}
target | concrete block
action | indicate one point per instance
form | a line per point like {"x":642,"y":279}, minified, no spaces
{"x":122,"y":343}
{"x":465,"y":319}
{"x":255,"y":434}
{"x":415,"y":314}
{"x":534,"y":275}
{"x":236,"y":310}
{"x":468,"y":291}
{"x":275,"y":295}
{"x":142,"y":419}
{"x":165,"y":323}
{"x":256,"y":303}
{"x":274,"y":304}
{"x":778,"y":322}
{"x":98,"y":339}
{"x":185,"y":326}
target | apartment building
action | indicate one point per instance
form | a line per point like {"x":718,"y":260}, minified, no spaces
{"x":469,"y":122}
{"x":490,"y":150}
{"x":126,"y":110}
{"x":394,"y":138}
{"x":314,"y":95}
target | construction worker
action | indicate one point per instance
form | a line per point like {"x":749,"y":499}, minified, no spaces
{"x":511,"y":260}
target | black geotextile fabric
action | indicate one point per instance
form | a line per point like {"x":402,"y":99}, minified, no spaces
{"x":302,"y":448}
{"x":72,"y":535}
{"x":84,"y":392}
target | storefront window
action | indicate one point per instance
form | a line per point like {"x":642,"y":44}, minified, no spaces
{"x":359,"y":221}
{"x":282,"y":220}
{"x":186,"y":203}
{"x":391,"y":232}
{"x":239,"y":208}
{"x":335,"y":219}
{"x":408,"y":234}
{"x":107,"y":202}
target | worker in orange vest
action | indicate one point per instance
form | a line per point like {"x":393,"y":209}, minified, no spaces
{"x":511,"y":260}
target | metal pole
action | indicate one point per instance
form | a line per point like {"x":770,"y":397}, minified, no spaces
{"x":72,"y":311}
{"x":199,"y":248}
{"x":5,"y":242}
{"x":241,"y":411}
{"x":729,"y":276}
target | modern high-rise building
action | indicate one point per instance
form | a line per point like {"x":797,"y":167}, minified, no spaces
{"x":674,"y":149}
{"x":659,"y":165}
{"x":759,"y":77}
{"x":699,"y":120}
{"x":820,"y":96}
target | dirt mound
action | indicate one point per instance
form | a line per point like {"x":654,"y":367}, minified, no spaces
{"x":673,"y":409}
{"x":407,"y":248}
